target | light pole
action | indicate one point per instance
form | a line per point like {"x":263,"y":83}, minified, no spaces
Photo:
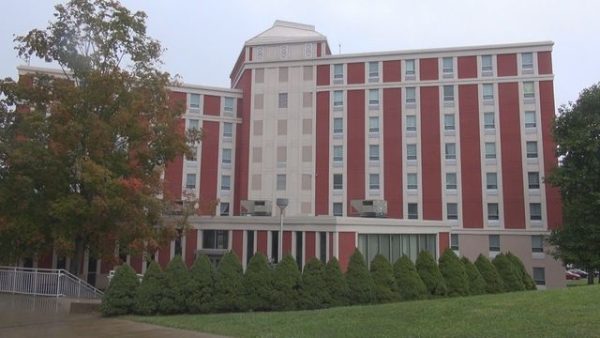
{"x":281,"y":203}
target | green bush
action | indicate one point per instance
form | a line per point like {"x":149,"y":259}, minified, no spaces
{"x":286,"y":285}
{"x":150,"y":292}
{"x":430,"y":274}
{"x":175,"y":292}
{"x":510,"y":274}
{"x":525,"y":277}
{"x":476,"y":281}
{"x":258,"y":289}
{"x":410,"y":284}
{"x":454,"y":274}
{"x":228,"y":284}
{"x":313,"y":293}
{"x":493,"y":281}
{"x":202,"y":284}
{"x":382,"y":273}
{"x":337,"y":289}
{"x":119,"y":298}
{"x":360,"y":284}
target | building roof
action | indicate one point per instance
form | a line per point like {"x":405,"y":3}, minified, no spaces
{"x":286,"y":32}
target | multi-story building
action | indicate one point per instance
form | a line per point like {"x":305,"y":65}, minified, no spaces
{"x":446,"y":147}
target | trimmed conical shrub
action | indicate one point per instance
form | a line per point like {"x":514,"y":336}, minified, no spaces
{"x":493,"y":281}
{"x":286,"y":285}
{"x":258,"y":288}
{"x":119,"y":298}
{"x":360,"y":284}
{"x":382,"y":273}
{"x":150,"y":292}
{"x":228,"y":284}
{"x":430,"y":274}
{"x":454,"y":274}
{"x":201,"y":288}
{"x":510,"y":274}
{"x":410,"y":284}
{"x":335,"y":283}
{"x":313,"y":293}
{"x":525,"y":277}
{"x":476,"y":281}
{"x":175,"y":291}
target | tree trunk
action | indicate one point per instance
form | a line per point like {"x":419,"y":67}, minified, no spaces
{"x":77,"y":258}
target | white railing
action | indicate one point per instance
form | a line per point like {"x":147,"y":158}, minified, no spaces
{"x":45,"y":282}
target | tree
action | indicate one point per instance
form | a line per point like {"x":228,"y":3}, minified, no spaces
{"x":476,"y":282}
{"x":201,"y":285}
{"x":150,"y":292}
{"x":313,"y":293}
{"x":386,"y":289}
{"x":454,"y":274}
{"x":176,"y":288}
{"x":228,"y":284}
{"x":337,"y":289}
{"x":510,"y":274}
{"x":576,"y":133}
{"x":525,"y":277}
{"x":493,"y":281}
{"x":81,"y":152}
{"x":119,"y":298}
{"x":286,"y":284}
{"x":258,"y":288}
{"x":410,"y":284}
{"x":361,"y":289}
{"x":430,"y":274}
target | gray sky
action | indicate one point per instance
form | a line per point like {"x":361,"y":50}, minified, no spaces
{"x":204,"y":38}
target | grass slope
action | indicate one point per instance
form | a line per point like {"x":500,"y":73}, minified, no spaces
{"x":554,"y":313}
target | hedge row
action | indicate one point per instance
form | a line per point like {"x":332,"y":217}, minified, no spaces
{"x":204,"y":289}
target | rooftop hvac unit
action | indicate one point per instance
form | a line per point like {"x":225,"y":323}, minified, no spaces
{"x":370,"y":208}
{"x":256,"y":208}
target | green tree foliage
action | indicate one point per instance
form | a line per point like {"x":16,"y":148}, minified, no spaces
{"x":576,"y":133}
{"x":119,"y":298}
{"x":382,"y":273}
{"x":335,"y":283}
{"x":150,"y":292}
{"x":286,"y":284}
{"x":410,"y":284}
{"x":228,"y":284}
{"x":510,"y":274}
{"x":176,"y":289}
{"x":258,"y":288}
{"x":80,"y":155}
{"x":430,"y":274}
{"x":313,"y":292}
{"x":454,"y":274}
{"x":477,"y":284}
{"x":201,"y":286}
{"x":525,"y":277}
{"x":493,"y":281}
{"x":360,"y":284}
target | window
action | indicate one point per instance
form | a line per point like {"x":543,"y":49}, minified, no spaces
{"x":283,"y":100}
{"x":539,"y":276}
{"x":528,"y":90}
{"x":338,"y":153}
{"x":299,"y":246}
{"x":226,"y":182}
{"x":490,"y":150}
{"x":491,"y":181}
{"x":281,"y":182}
{"x":195,"y":101}
{"x":492,"y":209}
{"x":533,"y":179}
{"x":532,"y":149}
{"x":338,"y":182}
{"x":411,"y":151}
{"x":374,"y":181}
{"x":338,"y":98}
{"x":193,"y":156}
{"x":215,"y":239}
{"x":447,"y":65}
{"x":249,"y":245}
{"x":451,"y":181}
{"x":228,"y":105}
{"x":452,"y":210}
{"x":227,"y":129}
{"x":338,"y":209}
{"x":413,"y":211}
{"x":411,"y":181}
{"x":450,"y":151}
{"x":259,"y":73}
{"x":530,"y":119}
{"x":448,"y":93}
{"x":527,"y":61}
{"x":486,"y":63}
{"x":190,"y":181}
{"x":449,"y":123}
{"x":535,"y":211}
{"x":454,"y":242}
{"x":410,"y":67}
{"x":193,"y":124}
{"x":224,"y":209}
{"x":226,"y":159}
{"x":373,"y":152}
{"x":488,"y":91}
{"x":373,"y":97}
{"x":489,"y":121}
{"x":283,"y":74}
{"x":537,"y":243}
{"x":373,"y":124}
{"x":411,"y":95}
{"x":275,"y":246}
{"x":338,"y":72}
{"x":494,"y":242}
{"x":323,"y":247}
{"x":338,"y":125}
{"x":411,"y":123}
{"x":373,"y":69}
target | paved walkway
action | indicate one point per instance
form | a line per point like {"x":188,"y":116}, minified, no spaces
{"x":43,"y":317}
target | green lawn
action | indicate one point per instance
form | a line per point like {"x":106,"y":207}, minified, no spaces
{"x":568,"y":312}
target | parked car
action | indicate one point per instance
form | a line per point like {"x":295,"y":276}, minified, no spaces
{"x":571,"y":275}
{"x":580,"y":272}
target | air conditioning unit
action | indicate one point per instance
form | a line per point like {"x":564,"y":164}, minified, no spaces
{"x":370,"y":208}
{"x":256,"y":208}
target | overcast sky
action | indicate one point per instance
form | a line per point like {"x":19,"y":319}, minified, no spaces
{"x":204,"y":38}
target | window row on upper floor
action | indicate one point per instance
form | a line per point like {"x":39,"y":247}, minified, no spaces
{"x":212,"y":105}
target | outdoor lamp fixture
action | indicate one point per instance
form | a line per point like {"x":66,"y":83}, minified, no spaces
{"x":281,"y":203}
